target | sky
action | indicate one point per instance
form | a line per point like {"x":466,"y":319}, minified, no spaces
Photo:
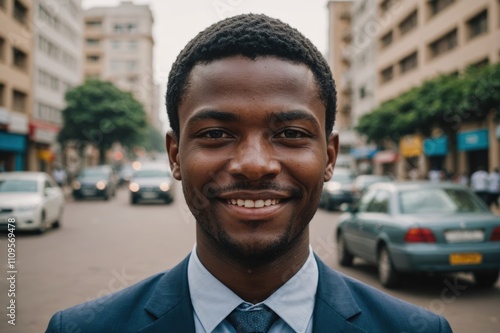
{"x":178,"y":21}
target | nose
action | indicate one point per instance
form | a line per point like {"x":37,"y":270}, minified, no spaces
{"x":254,"y":159}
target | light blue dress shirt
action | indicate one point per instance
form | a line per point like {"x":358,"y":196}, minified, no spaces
{"x":213,"y":301}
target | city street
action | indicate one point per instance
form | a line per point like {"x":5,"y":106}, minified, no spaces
{"x":104,"y":246}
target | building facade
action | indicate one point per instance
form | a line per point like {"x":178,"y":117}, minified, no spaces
{"x":16,"y":59}
{"x":420,"y":39}
{"x":58,"y":66}
{"x":118,"y":47}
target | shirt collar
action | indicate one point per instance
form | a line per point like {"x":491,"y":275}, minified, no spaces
{"x":213,"y":301}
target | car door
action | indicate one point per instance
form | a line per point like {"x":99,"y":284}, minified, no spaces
{"x":353,"y":227}
{"x":375,"y":218}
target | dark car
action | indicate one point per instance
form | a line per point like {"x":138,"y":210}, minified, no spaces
{"x":421,"y":227}
{"x":97,"y":181}
{"x":338,"y":190}
{"x":152,"y":183}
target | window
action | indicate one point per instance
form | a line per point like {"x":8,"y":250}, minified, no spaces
{"x":20,"y":12}
{"x":386,"y":5}
{"x":2,"y":49}
{"x":93,"y":24}
{"x":362,"y":92}
{"x":132,"y":65}
{"x":2,"y":94}
{"x":481,"y":63}
{"x":379,"y":203}
{"x":132,"y":44}
{"x":444,"y":44}
{"x":19,"y":101}
{"x":438,"y":5}
{"x":115,"y":65}
{"x":386,"y":40}
{"x":2,"y":4}
{"x":478,"y":25}
{"x":408,"y":63}
{"x":387,"y":74}
{"x":131,"y":27}
{"x":47,"y":113}
{"x":93,"y":58}
{"x":409,"y":23}
{"x":115,"y":44}
{"x":92,"y":42}
{"x":118,"y":28}
{"x":19,"y":59}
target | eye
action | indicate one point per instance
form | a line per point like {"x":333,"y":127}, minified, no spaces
{"x":215,"y":134}
{"x":291,"y":134}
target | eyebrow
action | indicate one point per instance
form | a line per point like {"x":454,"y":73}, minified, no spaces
{"x":210,"y":114}
{"x":293,"y":115}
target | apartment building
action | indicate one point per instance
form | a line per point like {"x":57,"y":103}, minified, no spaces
{"x":118,"y":47}
{"x":58,"y":66}
{"x":16,"y":54}
{"x":419,"y":39}
{"x":339,"y":59}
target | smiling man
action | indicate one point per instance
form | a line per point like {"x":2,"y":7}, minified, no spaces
{"x":251,"y":103}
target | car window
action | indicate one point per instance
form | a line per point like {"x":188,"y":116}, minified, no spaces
{"x":18,"y":185}
{"x":438,"y":200}
{"x":365,"y":200}
{"x":47,"y":184}
{"x":379,"y":203}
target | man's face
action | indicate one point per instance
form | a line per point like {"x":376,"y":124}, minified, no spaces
{"x":252,"y":153}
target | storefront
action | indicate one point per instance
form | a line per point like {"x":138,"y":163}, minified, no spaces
{"x":410,"y":148}
{"x":43,"y":138}
{"x":385,"y":163}
{"x":436,"y":149}
{"x":13,"y":140}
{"x":474,"y":144}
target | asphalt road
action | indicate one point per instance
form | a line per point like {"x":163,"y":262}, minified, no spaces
{"x":105,"y":246}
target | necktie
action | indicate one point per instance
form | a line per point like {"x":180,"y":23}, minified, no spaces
{"x":256,"y":321}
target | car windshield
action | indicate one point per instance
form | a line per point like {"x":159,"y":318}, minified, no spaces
{"x":151,"y":173}
{"x":94,"y":173}
{"x":438,"y":201}
{"x":18,"y":185}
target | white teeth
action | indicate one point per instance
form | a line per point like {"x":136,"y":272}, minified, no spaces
{"x":253,"y":203}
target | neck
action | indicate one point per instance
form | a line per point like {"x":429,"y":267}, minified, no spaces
{"x":253,"y":281}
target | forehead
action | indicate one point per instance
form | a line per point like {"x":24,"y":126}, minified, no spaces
{"x":264,"y":81}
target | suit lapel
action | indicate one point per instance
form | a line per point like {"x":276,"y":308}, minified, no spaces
{"x":334,"y":304}
{"x":170,"y":303}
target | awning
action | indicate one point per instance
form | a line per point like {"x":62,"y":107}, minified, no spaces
{"x":385,"y":156}
{"x":363,"y":152}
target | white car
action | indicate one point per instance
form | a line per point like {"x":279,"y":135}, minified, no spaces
{"x":33,"y":199}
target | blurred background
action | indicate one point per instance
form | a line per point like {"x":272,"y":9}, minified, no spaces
{"x":82,"y":86}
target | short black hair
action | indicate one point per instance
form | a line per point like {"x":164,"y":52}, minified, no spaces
{"x":249,"y":35}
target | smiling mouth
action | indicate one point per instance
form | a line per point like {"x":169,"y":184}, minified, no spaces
{"x":253,"y":203}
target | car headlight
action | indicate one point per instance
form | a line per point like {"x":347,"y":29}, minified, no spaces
{"x":164,"y":187}
{"x":27,"y":208}
{"x":134,"y":187}
{"x":333,"y":186}
{"x":101,"y":185}
{"x":76,"y":185}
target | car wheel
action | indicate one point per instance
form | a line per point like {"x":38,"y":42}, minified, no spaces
{"x":486,"y":279}
{"x":387,"y":274}
{"x":106,"y":196}
{"x":43,"y":224}
{"x":133,"y":200}
{"x":344,"y":257}
{"x":57,"y":222}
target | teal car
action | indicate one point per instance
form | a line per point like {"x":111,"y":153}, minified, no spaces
{"x":420,"y":227}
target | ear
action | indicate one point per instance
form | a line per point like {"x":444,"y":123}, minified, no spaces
{"x":332,"y":150}
{"x":172,"y":145}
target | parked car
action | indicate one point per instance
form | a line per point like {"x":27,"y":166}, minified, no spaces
{"x":33,"y":199}
{"x":362,"y":182}
{"x":96,"y":181}
{"x":421,"y":227}
{"x":152,"y":182}
{"x":338,"y":190}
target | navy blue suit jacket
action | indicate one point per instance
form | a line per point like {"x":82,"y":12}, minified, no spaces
{"x":162,"y":304}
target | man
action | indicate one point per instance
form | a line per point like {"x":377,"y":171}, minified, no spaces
{"x":479,"y":183}
{"x":494,"y":187}
{"x":251,"y":103}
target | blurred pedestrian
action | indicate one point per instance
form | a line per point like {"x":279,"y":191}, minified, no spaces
{"x":462,"y":179}
{"x":59,"y":176}
{"x":479,"y":183}
{"x":251,"y":103}
{"x":435,"y":175}
{"x":494,"y":187}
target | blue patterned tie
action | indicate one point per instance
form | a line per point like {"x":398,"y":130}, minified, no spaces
{"x":256,"y":321}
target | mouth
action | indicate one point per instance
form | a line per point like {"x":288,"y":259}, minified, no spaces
{"x":247,"y":203}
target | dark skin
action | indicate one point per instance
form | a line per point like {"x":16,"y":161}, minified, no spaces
{"x":252,"y":156}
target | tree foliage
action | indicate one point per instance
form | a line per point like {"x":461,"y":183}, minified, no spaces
{"x":445,"y":101}
{"x":99,"y":113}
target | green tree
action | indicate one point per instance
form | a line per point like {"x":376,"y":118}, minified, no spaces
{"x":445,"y":101}
{"x":152,"y":139}
{"x":99,"y":113}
